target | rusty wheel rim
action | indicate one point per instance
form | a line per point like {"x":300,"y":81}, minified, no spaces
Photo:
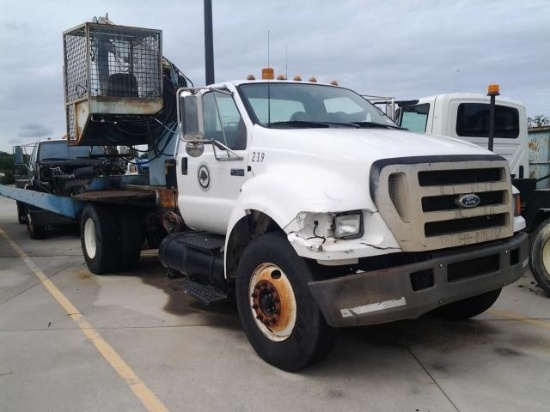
{"x":272,"y":302}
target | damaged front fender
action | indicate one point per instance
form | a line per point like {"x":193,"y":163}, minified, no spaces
{"x":312,"y":236}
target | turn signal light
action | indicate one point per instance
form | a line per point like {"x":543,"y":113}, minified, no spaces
{"x":517,"y":204}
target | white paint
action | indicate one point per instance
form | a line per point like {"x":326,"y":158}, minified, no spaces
{"x":373,"y":307}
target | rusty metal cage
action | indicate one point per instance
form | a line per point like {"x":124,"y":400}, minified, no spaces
{"x":110,"y":71}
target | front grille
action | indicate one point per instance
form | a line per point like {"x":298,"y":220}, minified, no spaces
{"x":420,"y":201}
{"x":449,"y":202}
{"x":456,"y":177}
{"x":447,"y":227}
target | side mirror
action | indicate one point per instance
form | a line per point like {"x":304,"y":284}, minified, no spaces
{"x":18,"y":156}
{"x":191,"y":122}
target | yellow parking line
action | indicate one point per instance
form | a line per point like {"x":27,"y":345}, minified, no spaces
{"x":142,"y":392}
{"x":513,"y":316}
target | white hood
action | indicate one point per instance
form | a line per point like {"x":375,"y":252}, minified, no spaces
{"x":361,"y":145}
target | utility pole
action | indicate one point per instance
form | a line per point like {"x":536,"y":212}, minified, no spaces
{"x":208,"y":43}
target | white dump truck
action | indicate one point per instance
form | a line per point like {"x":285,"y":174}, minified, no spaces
{"x":299,"y":200}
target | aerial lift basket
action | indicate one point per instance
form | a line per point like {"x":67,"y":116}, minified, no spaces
{"x":111,"y":73}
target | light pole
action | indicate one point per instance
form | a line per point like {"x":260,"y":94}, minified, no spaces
{"x":208,"y":43}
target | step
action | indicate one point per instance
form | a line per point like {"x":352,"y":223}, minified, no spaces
{"x":203,"y":293}
{"x":203,"y":241}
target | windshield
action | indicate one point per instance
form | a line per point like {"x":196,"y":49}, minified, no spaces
{"x":62,"y":151}
{"x":309,"y":105}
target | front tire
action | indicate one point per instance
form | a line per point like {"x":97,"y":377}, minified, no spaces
{"x":540,"y":255}
{"x":468,"y":308}
{"x":99,"y":239}
{"x":279,"y":316}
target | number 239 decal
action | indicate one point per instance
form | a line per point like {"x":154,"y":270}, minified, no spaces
{"x":257,"y":157}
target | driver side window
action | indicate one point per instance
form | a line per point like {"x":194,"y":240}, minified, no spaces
{"x":222,"y":120}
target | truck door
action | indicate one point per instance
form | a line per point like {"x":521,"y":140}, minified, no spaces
{"x":209,"y":184}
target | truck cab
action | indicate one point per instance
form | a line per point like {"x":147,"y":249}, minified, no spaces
{"x":316,"y":212}
{"x":465,"y":116}
{"x":52,"y":164}
{"x":56,"y":168}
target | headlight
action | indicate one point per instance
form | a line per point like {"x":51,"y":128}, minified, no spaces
{"x":348,"y":225}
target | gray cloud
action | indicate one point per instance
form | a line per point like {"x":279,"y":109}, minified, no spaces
{"x":34,"y":130}
{"x":404,"y":49}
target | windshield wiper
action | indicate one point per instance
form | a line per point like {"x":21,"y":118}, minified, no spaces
{"x":342,"y":124}
{"x":299,"y":123}
{"x":374,"y":125}
{"x":315,"y":123}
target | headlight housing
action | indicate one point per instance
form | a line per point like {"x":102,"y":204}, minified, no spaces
{"x":348,"y":225}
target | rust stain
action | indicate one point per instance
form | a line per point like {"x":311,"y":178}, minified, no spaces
{"x":167,"y":198}
{"x":533,"y":145}
{"x":83,"y":274}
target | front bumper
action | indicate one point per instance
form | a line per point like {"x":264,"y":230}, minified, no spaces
{"x":408,"y":291}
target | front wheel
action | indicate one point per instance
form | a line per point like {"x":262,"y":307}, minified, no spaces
{"x":468,"y":308}
{"x":540,"y":255}
{"x":278,"y":314}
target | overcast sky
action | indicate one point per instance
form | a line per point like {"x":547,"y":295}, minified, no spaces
{"x":405,"y":49}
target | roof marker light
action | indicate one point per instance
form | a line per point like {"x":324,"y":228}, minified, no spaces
{"x":493,"y":90}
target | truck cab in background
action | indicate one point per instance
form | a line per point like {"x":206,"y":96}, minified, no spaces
{"x":54,"y":167}
{"x":465,"y":116}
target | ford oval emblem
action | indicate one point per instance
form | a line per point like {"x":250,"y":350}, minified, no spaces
{"x":468,"y":201}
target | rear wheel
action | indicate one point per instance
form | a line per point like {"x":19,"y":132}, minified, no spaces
{"x":35,"y":231}
{"x":468,"y":308}
{"x":99,"y":239}
{"x":22,"y":210}
{"x":279,"y":316}
{"x":130,"y":238}
{"x":540,"y":255}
